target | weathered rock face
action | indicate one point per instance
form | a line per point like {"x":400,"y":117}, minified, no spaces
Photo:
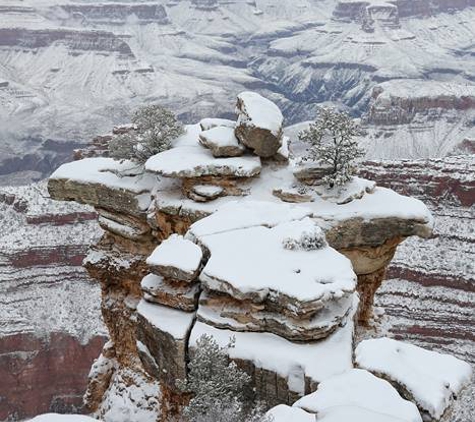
{"x":351,"y":10}
{"x":44,"y":374}
{"x":404,"y":115}
{"x":48,"y":339}
{"x":264,"y":270}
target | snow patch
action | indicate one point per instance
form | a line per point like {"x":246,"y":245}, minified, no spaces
{"x":177,"y":252}
{"x":357,"y":395}
{"x":433,"y":379}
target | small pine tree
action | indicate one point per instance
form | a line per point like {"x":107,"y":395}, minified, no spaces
{"x":155,"y":127}
{"x":332,"y":142}
{"x":221,"y":391}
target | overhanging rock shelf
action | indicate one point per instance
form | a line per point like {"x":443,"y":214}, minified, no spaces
{"x":212,"y":238}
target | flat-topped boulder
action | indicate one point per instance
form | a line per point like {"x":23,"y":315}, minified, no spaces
{"x":236,"y":215}
{"x":197,"y":161}
{"x":105,"y":183}
{"x":176,"y":258}
{"x":259,"y":124}
{"x":205,"y":193}
{"x":271,"y":272}
{"x":289,"y":265}
{"x":222,"y":142}
{"x":430,"y":379}
{"x":357,"y":395}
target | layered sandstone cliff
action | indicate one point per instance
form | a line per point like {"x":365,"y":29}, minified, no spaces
{"x":48,"y":338}
{"x":211,"y":238}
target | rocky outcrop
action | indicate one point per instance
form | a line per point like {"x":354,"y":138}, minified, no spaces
{"x":400,"y":102}
{"x":351,"y":10}
{"x":118,"y":13}
{"x":266,"y":271}
{"x":48,"y":338}
{"x":75,"y":40}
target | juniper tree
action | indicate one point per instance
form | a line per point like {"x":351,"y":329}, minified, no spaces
{"x":332,"y":142}
{"x":221,"y":391}
{"x":154,"y":128}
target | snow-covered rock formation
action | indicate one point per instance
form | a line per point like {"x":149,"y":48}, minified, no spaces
{"x":216,"y":251}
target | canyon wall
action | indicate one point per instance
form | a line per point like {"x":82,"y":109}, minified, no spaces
{"x":429,"y":297}
{"x":48,"y":338}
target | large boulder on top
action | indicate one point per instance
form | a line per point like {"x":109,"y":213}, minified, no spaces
{"x":259,"y":124}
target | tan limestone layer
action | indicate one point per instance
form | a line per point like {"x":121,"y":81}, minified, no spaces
{"x":96,"y":195}
{"x":222,"y":311}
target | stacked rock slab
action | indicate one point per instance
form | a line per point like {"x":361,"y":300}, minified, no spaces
{"x":271,"y":273}
{"x":204,"y":177}
{"x":170,"y":297}
{"x":274,"y":282}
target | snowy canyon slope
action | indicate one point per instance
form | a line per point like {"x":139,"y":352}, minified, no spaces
{"x":70,"y":70}
{"x":48,"y":339}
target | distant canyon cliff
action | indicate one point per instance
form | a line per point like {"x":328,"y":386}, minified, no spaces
{"x":71,"y":70}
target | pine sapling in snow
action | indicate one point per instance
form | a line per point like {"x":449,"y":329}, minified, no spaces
{"x":154,"y":129}
{"x":332,"y":141}
{"x":307,"y":241}
{"x":221,"y":391}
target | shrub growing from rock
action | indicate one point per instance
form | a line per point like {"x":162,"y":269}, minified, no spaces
{"x":308,"y":241}
{"x":332,"y":142}
{"x":154,"y":128}
{"x":221,"y":391}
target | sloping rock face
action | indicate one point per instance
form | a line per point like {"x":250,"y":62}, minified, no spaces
{"x":48,"y":338}
{"x":173,"y":268}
